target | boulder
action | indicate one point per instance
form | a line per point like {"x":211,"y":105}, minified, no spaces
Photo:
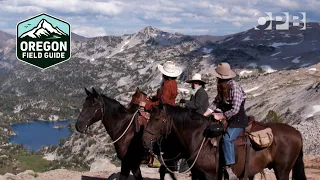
{"x":102,"y":164}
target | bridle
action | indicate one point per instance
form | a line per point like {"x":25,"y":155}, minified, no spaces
{"x":102,"y":108}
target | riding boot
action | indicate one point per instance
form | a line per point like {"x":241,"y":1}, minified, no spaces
{"x":150,"y":163}
{"x":232,"y":176}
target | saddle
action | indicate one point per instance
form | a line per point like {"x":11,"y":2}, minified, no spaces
{"x":143,"y":119}
{"x":260,"y":135}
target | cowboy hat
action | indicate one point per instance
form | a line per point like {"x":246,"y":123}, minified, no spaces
{"x":170,"y":69}
{"x":196,"y":77}
{"x":223,"y":71}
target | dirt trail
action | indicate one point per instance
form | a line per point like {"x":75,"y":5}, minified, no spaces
{"x":312,"y":170}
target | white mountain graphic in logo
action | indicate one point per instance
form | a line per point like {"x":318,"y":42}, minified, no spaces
{"x":44,"y":30}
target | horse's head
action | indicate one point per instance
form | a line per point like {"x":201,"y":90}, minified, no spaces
{"x":92,"y":111}
{"x":137,"y":97}
{"x":157,"y":127}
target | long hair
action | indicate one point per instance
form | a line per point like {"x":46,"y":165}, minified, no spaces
{"x":168,"y":78}
{"x":223,"y":89}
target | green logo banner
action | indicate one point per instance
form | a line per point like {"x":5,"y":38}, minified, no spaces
{"x":43,"y":41}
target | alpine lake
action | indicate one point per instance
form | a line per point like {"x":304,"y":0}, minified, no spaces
{"x":37,"y":134}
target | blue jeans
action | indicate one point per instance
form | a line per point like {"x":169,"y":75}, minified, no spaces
{"x":228,"y":147}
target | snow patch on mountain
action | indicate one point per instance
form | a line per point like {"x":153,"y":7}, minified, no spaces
{"x":206,"y":50}
{"x":253,"y":65}
{"x":305,"y":65}
{"x":288,"y":57}
{"x":53,"y":118}
{"x":17,"y":108}
{"x":125,"y":43}
{"x":245,"y":72}
{"x":296,"y":60}
{"x":275,"y":54}
{"x":276,"y":45}
{"x":124,"y":81}
{"x":252,"y":89}
{"x":247,"y":38}
{"x":315,"y":109}
{"x":268,"y":69}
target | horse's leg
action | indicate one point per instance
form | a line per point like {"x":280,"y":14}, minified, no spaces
{"x":172,"y":176}
{"x":135,"y":168}
{"x":282,"y":173}
{"x":137,"y":173}
{"x":210,"y":176}
{"x":125,"y":170}
{"x":173,"y":168}
{"x":251,"y":178}
{"x":197,"y":175}
{"x":162,"y":171}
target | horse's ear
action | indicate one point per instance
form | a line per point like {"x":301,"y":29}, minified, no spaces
{"x":94,"y":92}
{"x":87,"y":92}
{"x":137,"y":89}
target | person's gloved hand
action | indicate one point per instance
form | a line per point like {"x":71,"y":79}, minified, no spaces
{"x":182,"y":101}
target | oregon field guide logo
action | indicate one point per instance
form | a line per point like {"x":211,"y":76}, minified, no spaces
{"x":43,"y":41}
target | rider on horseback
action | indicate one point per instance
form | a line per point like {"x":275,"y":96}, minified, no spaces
{"x":169,"y":90}
{"x":230,"y":100}
{"x":199,"y":98}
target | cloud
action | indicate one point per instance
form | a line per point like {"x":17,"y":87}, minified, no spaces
{"x":88,"y":31}
{"x":78,"y":6}
{"x":188,"y":31}
{"x":236,"y":24}
{"x":290,"y":4}
{"x":21,"y":9}
{"x":115,"y":17}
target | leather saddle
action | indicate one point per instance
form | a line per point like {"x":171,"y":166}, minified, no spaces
{"x":143,"y":119}
{"x":260,"y":135}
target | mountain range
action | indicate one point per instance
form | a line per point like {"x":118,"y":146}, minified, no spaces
{"x":279,"y":71}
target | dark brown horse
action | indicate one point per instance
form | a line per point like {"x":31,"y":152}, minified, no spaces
{"x":171,"y":153}
{"x":116,"y":119}
{"x":285,"y":153}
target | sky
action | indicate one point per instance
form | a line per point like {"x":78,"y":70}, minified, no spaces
{"x":92,"y":18}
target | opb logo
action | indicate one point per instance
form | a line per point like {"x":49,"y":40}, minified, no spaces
{"x":266,"y":20}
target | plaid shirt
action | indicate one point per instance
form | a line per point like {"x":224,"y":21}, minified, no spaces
{"x":237,"y":96}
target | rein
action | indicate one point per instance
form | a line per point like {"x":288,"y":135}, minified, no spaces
{"x":102,"y":107}
{"x":194,"y":162}
{"x":126,"y":128}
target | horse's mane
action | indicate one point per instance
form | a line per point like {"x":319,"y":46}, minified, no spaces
{"x":182,"y":116}
{"x":113,"y":106}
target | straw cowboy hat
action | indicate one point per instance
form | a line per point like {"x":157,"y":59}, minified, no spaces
{"x":223,"y":71}
{"x":170,"y":69}
{"x":196,"y":77}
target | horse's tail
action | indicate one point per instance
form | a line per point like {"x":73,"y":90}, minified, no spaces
{"x":298,"y":172}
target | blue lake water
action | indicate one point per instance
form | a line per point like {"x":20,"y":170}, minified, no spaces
{"x":37,"y":134}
